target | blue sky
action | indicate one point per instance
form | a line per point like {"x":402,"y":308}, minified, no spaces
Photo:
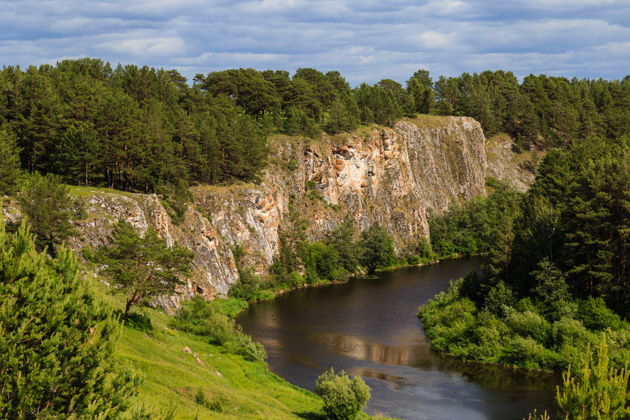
{"x":366,"y":40}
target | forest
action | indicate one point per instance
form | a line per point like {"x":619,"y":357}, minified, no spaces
{"x":557,"y":271}
{"x":144,"y":129}
{"x":556,"y":280}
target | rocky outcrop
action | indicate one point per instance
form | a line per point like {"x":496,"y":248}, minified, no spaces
{"x":393,"y":176}
{"x":506,"y":163}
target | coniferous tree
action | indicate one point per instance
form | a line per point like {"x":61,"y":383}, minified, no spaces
{"x":10,"y":164}
{"x":596,"y":390}
{"x":49,"y":209}
{"x":143,"y":267}
{"x":56,"y":341}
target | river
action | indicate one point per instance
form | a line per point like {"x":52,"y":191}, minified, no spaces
{"x":369,"y":327}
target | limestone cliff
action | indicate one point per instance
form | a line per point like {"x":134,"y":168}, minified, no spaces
{"x":392,"y":176}
{"x":507,"y":164}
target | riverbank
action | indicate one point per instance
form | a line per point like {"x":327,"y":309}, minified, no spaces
{"x":368,"y":328}
{"x":186,"y":377}
{"x":518,"y":333}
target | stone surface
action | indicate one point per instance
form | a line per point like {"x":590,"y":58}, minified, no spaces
{"x":393,"y":176}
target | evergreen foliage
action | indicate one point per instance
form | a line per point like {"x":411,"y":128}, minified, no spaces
{"x":10,"y":164}
{"x":49,"y":209}
{"x":477,"y":225}
{"x":596,"y":390}
{"x":56,"y":341}
{"x":559,"y":279}
{"x":344,"y":397}
{"x":138,"y":128}
{"x":142,"y":267}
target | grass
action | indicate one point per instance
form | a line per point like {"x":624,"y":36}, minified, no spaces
{"x":232,"y":388}
{"x":430,"y":121}
{"x":82,"y":191}
{"x":174,"y":380}
{"x":207,"y":382}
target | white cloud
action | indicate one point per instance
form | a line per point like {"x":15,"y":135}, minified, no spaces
{"x":365,"y":40}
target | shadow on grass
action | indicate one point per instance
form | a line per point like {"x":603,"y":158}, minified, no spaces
{"x":310,"y":415}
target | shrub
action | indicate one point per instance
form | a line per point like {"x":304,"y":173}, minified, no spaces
{"x":320,"y":261}
{"x":524,"y":352}
{"x":529,"y":324}
{"x":499,"y":296}
{"x":570,"y":332}
{"x":199,"y":317}
{"x":595,"y":315}
{"x":343,"y":396}
{"x":247,"y":286}
{"x":377,"y":249}
{"x":139,"y":322}
{"x":490,"y":335}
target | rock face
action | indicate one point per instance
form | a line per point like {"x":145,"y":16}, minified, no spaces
{"x":393,"y":176}
{"x":504,"y":163}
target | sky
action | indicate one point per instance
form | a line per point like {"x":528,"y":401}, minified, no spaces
{"x":366,"y":40}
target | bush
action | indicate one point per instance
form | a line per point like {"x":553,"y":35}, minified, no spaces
{"x":529,"y":324}
{"x":596,"y":390}
{"x":377,"y":249}
{"x":202,"y":318}
{"x":56,"y":341}
{"x":247,"y":286}
{"x":320,"y":261}
{"x":524,"y":352}
{"x":139,"y":322}
{"x":343,"y":396}
{"x":595,"y":315}
{"x":498,"y":297}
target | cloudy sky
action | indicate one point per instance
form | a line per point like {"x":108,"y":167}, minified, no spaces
{"x":366,"y":40}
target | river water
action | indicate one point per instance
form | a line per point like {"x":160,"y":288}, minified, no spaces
{"x":369,"y":327}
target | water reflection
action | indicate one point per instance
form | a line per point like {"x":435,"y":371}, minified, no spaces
{"x":369,"y":328}
{"x":357,"y":348}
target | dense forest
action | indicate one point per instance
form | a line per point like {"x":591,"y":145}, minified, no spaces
{"x":557,"y":274}
{"x":146,"y":129}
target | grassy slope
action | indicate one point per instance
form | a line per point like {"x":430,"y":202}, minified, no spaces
{"x":173,"y":377}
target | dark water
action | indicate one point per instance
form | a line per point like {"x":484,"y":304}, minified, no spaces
{"x":368,"y":327}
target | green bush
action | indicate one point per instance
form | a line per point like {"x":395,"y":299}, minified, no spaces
{"x":247,"y":286}
{"x":524,"y":352}
{"x":595,"y":315}
{"x":596,"y":390}
{"x":56,"y":341}
{"x":343,"y":396}
{"x":320,"y":261}
{"x":199,"y":317}
{"x":498,"y":297}
{"x":138,"y":322}
{"x":529,"y":324}
{"x":377,"y":249}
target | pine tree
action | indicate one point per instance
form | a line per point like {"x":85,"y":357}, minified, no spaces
{"x":49,"y":209}
{"x":596,"y":390}
{"x":143,"y":267}
{"x":10,"y":164}
{"x":56,"y":341}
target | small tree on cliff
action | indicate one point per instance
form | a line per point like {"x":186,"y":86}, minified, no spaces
{"x":143,"y":267}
